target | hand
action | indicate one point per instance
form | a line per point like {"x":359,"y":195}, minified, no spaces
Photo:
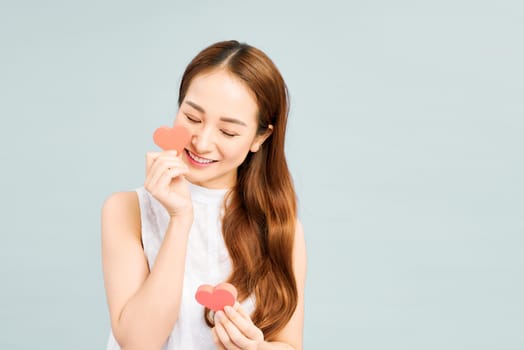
{"x":235,"y":330}
{"x":166,"y":182}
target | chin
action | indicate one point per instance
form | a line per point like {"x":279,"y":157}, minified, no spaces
{"x":211,"y":182}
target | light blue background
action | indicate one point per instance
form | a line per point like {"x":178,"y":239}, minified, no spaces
{"x":405,"y":142}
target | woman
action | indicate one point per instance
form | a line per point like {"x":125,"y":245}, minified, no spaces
{"x":222,"y":210}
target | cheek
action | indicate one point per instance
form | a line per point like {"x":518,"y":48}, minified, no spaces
{"x":236,"y":150}
{"x":180,"y":119}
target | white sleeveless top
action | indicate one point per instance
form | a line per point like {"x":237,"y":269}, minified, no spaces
{"x":207,"y":262}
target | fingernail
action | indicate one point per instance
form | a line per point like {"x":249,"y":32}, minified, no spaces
{"x":218,"y":315}
{"x":228,"y":309}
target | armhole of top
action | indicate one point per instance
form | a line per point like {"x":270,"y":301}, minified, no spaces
{"x":136,"y":201}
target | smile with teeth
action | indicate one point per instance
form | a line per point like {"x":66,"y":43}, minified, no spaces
{"x":199,"y":159}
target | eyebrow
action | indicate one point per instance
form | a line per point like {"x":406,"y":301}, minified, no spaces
{"x":224,"y":119}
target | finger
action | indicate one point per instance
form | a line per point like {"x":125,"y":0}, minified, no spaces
{"x":152,"y":156}
{"x":171,"y":174}
{"x":241,"y":310}
{"x":243,"y":324}
{"x":161,"y":164}
{"x":151,"y":164}
{"x":156,"y":172}
{"x":172,"y":153}
{"x":217,"y":342}
{"x":235,"y":337}
{"x":223,"y":336}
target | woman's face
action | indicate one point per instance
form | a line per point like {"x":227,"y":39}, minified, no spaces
{"x":220,"y":113}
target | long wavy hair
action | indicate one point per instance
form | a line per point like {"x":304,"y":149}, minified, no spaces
{"x":259,"y":220}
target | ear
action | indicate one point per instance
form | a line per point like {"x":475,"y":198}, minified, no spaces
{"x":259,"y":139}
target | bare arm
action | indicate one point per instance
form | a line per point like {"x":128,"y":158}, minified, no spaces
{"x":143,"y":304}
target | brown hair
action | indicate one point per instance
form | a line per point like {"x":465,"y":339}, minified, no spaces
{"x":259,"y":221}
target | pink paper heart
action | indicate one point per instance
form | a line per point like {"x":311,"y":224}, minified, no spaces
{"x":175,"y":138}
{"x":216,"y":298}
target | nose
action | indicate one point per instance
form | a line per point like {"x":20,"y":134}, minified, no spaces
{"x":202,"y":140}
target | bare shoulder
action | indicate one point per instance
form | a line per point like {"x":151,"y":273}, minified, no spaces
{"x":122,"y":209}
{"x":122,"y":200}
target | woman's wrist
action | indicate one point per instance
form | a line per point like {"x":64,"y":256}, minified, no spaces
{"x":182,"y":212}
{"x":184,"y":217}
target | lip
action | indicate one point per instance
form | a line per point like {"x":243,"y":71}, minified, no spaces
{"x":194,"y":162}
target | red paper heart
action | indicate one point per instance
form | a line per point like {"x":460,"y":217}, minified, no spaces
{"x":175,"y":138}
{"x":216,"y":298}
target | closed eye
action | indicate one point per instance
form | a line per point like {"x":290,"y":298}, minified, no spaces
{"x":192,"y":119}
{"x":228,"y":134}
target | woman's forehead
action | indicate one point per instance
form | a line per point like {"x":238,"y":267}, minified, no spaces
{"x":220,"y":94}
